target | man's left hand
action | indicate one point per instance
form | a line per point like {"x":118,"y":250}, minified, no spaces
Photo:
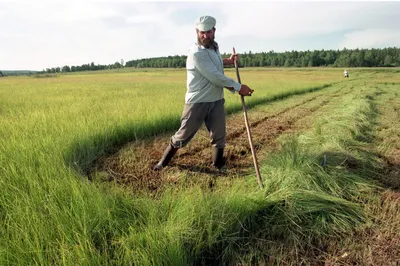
{"x":233,"y":58}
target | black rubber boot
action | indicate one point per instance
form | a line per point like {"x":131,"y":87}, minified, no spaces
{"x":168,"y":154}
{"x":218,"y":157}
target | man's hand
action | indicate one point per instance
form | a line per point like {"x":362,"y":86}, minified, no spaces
{"x":233,"y":58}
{"x":245,"y":90}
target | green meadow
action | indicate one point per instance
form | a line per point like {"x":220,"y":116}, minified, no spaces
{"x":53,"y":128}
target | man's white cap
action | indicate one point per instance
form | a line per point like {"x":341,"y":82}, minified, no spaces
{"x":205,"y":23}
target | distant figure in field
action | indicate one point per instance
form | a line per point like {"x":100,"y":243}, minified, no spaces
{"x":345,"y":73}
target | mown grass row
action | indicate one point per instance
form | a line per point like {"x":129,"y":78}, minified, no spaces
{"x":377,"y":241}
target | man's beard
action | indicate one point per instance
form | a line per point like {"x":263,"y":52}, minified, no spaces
{"x":207,"y":43}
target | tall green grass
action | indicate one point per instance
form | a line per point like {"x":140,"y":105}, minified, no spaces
{"x":53,"y":128}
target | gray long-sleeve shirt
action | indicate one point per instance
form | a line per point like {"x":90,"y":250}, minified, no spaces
{"x":205,"y":75}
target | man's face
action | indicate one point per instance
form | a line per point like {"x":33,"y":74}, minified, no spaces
{"x":205,"y":38}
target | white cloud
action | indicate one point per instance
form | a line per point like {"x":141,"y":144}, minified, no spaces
{"x":292,"y":19}
{"x":371,"y":38}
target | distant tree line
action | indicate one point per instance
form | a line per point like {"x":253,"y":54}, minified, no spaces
{"x":84,"y":67}
{"x":176,"y":61}
{"x":4,"y":73}
{"x":386,"y":57}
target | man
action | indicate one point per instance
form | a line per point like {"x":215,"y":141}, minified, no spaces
{"x":204,"y":99}
{"x":345,"y":73}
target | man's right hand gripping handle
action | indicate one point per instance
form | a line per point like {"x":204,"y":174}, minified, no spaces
{"x":245,"y":90}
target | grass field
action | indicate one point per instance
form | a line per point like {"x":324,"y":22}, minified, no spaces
{"x":76,"y":189}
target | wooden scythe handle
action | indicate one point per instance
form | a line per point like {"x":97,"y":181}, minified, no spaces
{"x":246,"y":121}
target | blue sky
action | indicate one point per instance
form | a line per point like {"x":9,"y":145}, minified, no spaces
{"x":38,"y":34}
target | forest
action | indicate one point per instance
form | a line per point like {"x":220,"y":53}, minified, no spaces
{"x":387,"y":57}
{"x":376,"y":57}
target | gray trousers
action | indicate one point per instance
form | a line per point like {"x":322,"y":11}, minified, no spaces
{"x":193,"y":116}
